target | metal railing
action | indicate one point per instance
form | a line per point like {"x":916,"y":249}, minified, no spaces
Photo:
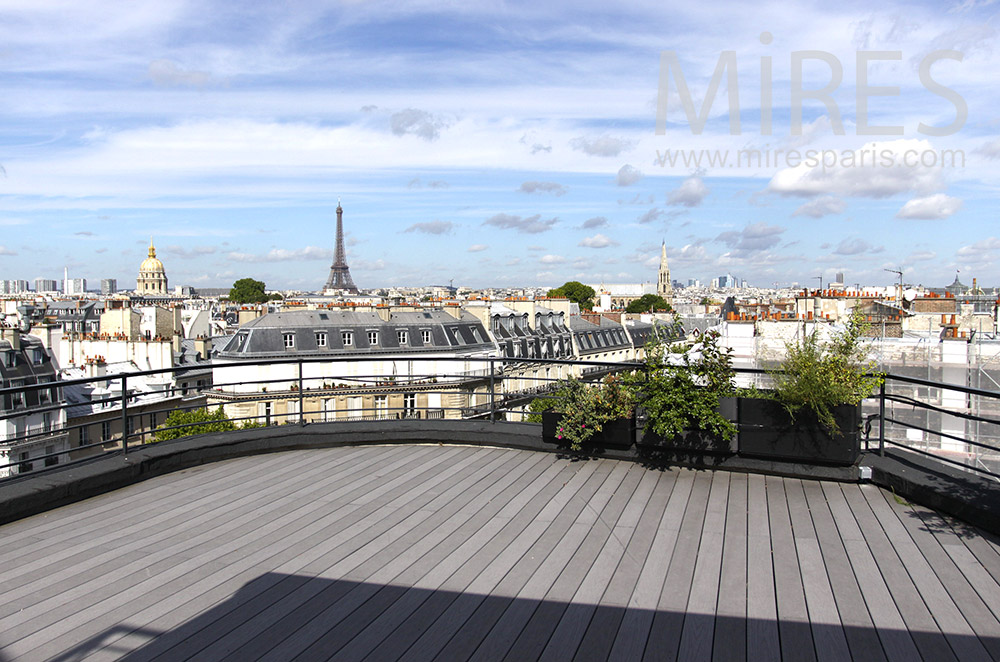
{"x":957,"y":425}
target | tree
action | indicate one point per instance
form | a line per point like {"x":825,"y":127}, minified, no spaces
{"x":248,"y":290}
{"x":198,"y":421}
{"x":576,"y":292}
{"x":647,"y":303}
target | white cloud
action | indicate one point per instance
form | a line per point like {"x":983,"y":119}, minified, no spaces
{"x":528,"y":225}
{"x":416,"y":122}
{"x":877,"y":170}
{"x":475,"y":248}
{"x":605,"y":146}
{"x":552,"y":259}
{"x":980,"y":251}
{"x":431,"y":227}
{"x":852,"y":246}
{"x":192,"y":252}
{"x":651,"y":215}
{"x":595,"y":222}
{"x":921,"y":256}
{"x":6,"y":251}
{"x":753,"y":238}
{"x":990,"y":150}
{"x":933,"y":207}
{"x":821,"y":207}
{"x":543,"y":187}
{"x":598,"y":241}
{"x":628,"y":175}
{"x":284,"y":255}
{"x":690,"y":193}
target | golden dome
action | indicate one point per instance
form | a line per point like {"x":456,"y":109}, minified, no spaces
{"x":151,"y":264}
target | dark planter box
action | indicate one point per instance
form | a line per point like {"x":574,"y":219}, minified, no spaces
{"x":619,"y":433}
{"x":767,"y":431}
{"x":694,"y":441}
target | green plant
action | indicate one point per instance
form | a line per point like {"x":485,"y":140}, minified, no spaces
{"x":683,"y":394}
{"x":818,"y":375}
{"x":196,"y":421}
{"x":537,"y":406}
{"x":585,"y":408}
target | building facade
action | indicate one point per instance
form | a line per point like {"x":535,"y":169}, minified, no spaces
{"x":152,"y":278}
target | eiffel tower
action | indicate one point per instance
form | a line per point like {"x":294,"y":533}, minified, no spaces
{"x":340,"y":274}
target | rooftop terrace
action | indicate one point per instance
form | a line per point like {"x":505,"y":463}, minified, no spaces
{"x":455,"y":552}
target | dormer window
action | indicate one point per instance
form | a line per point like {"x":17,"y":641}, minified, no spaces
{"x":289,"y":340}
{"x":373,"y":337}
{"x":321,"y":338}
{"x":347,"y":337}
{"x":402,"y":337}
{"x":425,"y":337}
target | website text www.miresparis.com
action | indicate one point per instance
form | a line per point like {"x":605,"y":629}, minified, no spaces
{"x":825,"y":159}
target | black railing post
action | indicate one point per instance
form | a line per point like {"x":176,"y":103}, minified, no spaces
{"x":302,"y":409}
{"x":881,"y":419}
{"x":124,"y":415}
{"x":492,"y":394}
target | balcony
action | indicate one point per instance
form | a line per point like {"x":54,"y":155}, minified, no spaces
{"x":347,"y":539}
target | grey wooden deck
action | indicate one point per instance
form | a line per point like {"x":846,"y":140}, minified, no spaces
{"x":437,"y":552}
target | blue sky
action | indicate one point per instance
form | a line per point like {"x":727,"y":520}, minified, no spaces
{"x":492,"y":143}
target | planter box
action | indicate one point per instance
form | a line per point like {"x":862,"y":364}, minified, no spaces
{"x":767,"y":431}
{"x":614,"y":434}
{"x":695,"y":441}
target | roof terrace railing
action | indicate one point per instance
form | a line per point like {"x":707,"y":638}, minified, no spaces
{"x":954,"y":424}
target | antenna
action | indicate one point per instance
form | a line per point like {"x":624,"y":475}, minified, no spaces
{"x":820,"y":277}
{"x":899,"y":273}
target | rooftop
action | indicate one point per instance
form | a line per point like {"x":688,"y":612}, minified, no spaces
{"x":456,"y":552}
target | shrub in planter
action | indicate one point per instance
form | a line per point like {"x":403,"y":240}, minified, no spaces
{"x":582,"y":414}
{"x":814,"y":412}
{"x":680,"y":394}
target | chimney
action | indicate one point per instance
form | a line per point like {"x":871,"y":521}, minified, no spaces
{"x":384,"y":313}
{"x":201,"y":346}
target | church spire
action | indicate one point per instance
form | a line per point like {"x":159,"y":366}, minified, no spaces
{"x":663,"y":285}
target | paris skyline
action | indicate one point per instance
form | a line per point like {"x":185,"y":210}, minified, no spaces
{"x":496,"y":144}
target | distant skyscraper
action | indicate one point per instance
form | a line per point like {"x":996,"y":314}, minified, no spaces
{"x":109,"y":286}
{"x":13,"y":286}
{"x":340,"y":275}
{"x":74,"y":286}
{"x":46,"y":285}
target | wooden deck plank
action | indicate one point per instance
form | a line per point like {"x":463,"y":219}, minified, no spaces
{"x":668,"y":622}
{"x":949,"y":617}
{"x":794,"y":630}
{"x":931,"y":644}
{"x":179,"y":571}
{"x":763,"y":642}
{"x":343,"y":536}
{"x":393,"y":632}
{"x":458,"y":552}
{"x":862,"y":637}
{"x":698,"y":634}
{"x":633,"y":631}
{"x":411,"y":515}
{"x":495,"y":643}
{"x":559,"y":607}
{"x":824,"y":617}
{"x":459,"y":631}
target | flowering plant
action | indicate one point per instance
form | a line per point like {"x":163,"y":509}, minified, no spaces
{"x":585,"y":408}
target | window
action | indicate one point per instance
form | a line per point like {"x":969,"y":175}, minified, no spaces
{"x":321,"y":338}
{"x":289,"y":340}
{"x":25,"y":466}
{"x":131,"y":425}
{"x":49,"y":461}
{"x":409,"y":404}
{"x":381,"y":406}
{"x":265,"y":412}
{"x":38,"y":356}
{"x":347,"y":337}
{"x":106,"y":431}
{"x":84,"y":436}
{"x":373,"y":337}
{"x":330,"y":409}
{"x":425,"y":337}
{"x":401,"y":336}
{"x":47,"y":422}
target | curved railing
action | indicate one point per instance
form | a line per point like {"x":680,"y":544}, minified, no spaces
{"x":953,"y":424}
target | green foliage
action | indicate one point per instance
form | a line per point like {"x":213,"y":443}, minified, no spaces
{"x":821,"y":375}
{"x":648,"y":302}
{"x":576,"y":292}
{"x":248,"y":290}
{"x":199,"y":421}
{"x":585,"y":408}
{"x":684,"y":394}
{"x":537,"y":406}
